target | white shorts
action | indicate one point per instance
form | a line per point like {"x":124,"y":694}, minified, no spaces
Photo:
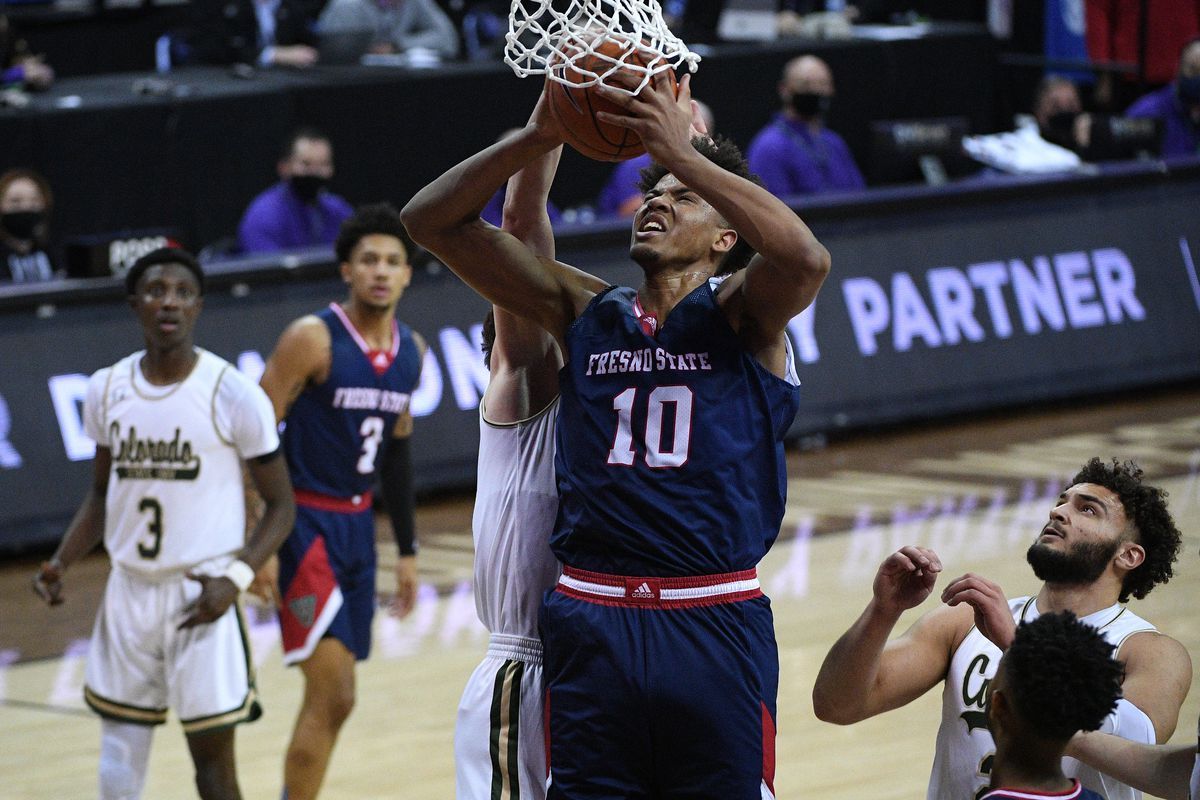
{"x":139,"y":664}
{"x":499,"y":738}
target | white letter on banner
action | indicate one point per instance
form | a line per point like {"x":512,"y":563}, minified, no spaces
{"x":801,"y":328}
{"x":990,"y":276}
{"x":1115,"y":276}
{"x":9,"y":457}
{"x":912,"y":317}
{"x":954,"y":302}
{"x":68,"y":393}
{"x":428,"y":394}
{"x":869,"y":312}
{"x":1037,"y":297}
{"x":464,"y":362}
{"x":1078,"y":290}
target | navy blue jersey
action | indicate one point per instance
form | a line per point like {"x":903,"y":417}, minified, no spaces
{"x":670,"y":447}
{"x":335,"y":431}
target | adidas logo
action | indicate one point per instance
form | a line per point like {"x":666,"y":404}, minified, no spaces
{"x":305,"y":609}
{"x":644,"y":592}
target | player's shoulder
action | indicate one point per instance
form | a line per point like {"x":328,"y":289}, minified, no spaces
{"x":308,"y":331}
{"x":1153,"y":647}
{"x":945,"y":625}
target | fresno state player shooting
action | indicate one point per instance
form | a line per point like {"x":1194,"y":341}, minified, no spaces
{"x":661,"y":665}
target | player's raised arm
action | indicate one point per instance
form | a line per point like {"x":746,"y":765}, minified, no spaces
{"x":444,"y":218}
{"x":864,"y":674}
{"x":791,"y":264}
{"x":523,"y":349}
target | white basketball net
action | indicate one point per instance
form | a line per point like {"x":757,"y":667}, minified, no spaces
{"x":543,"y":40}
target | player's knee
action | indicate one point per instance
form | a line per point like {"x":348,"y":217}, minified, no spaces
{"x":118,"y":779}
{"x":217,"y":780}
{"x":124,"y":752}
{"x":339,"y":703}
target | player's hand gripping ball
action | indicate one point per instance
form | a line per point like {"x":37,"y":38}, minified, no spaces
{"x":575,"y":106}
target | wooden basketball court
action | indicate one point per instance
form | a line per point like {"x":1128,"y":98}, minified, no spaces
{"x":975,"y":490}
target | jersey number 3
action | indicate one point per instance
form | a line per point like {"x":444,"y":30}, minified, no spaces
{"x":372,"y":432}
{"x":674,"y":455}
{"x":150,"y":548}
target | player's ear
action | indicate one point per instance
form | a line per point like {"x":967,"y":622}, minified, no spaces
{"x":344,"y":269}
{"x":1131,"y":555}
{"x":726,"y":239}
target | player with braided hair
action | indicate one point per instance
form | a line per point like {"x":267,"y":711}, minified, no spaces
{"x":1058,"y":677}
{"x":1109,"y":536}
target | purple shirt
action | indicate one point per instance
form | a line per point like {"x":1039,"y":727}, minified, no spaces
{"x":792,"y":160}
{"x":279,"y":220}
{"x":493,"y":212}
{"x":1181,"y":136}
{"x":622,"y":184}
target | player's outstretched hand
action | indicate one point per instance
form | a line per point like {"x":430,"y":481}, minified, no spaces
{"x":906,"y":578}
{"x":992,"y":615}
{"x":217,"y":594}
{"x":406,"y":587}
{"x":47,"y":582}
{"x":265,"y":585}
{"x":660,"y":118}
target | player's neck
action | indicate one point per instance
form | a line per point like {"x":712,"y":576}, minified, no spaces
{"x":660,"y":292}
{"x":373,"y":324}
{"x":1080,"y":600}
{"x":1034,"y":768}
{"x":165,"y":367}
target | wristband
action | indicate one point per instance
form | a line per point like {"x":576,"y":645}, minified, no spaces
{"x":241,"y":573}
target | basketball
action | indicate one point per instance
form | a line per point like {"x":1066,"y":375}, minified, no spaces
{"x":575,"y":106}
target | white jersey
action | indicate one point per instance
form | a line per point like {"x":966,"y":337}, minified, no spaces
{"x":963,"y":759}
{"x":516,"y":503}
{"x":175,"y":490}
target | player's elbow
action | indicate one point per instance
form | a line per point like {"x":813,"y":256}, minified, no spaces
{"x":814,"y":261}
{"x":831,"y":708}
{"x":423,"y":221}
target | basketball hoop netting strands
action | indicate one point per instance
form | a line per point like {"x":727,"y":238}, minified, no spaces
{"x":546,"y":37}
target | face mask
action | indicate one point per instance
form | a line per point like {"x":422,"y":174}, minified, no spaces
{"x":1060,"y":128}
{"x":807,"y":104}
{"x":1189,"y":90}
{"x":307,"y":187}
{"x":21,"y":224}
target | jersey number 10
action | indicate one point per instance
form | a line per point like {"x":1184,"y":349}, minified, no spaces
{"x":622,"y":452}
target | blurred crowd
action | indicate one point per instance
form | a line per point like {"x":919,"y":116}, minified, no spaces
{"x":1087,"y":112}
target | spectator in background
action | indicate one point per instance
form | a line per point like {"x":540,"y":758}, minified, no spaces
{"x":1059,"y":113}
{"x":622,"y":196}
{"x":262,"y":33}
{"x":299,"y":211}
{"x":795,"y":153}
{"x":25,"y":204}
{"x":1177,"y":105}
{"x":19,"y":67}
{"x":1115,"y":34}
{"x":395,"y":25}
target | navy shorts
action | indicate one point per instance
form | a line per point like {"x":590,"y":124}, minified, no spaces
{"x":660,"y":702}
{"x":327,"y":581}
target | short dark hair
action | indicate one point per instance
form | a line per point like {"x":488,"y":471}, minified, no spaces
{"x":1146,"y":510}
{"x":1061,"y":675}
{"x":163,"y":255}
{"x":726,"y":155}
{"x":303,"y":132}
{"x":487,"y":339}
{"x":371,"y":219}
